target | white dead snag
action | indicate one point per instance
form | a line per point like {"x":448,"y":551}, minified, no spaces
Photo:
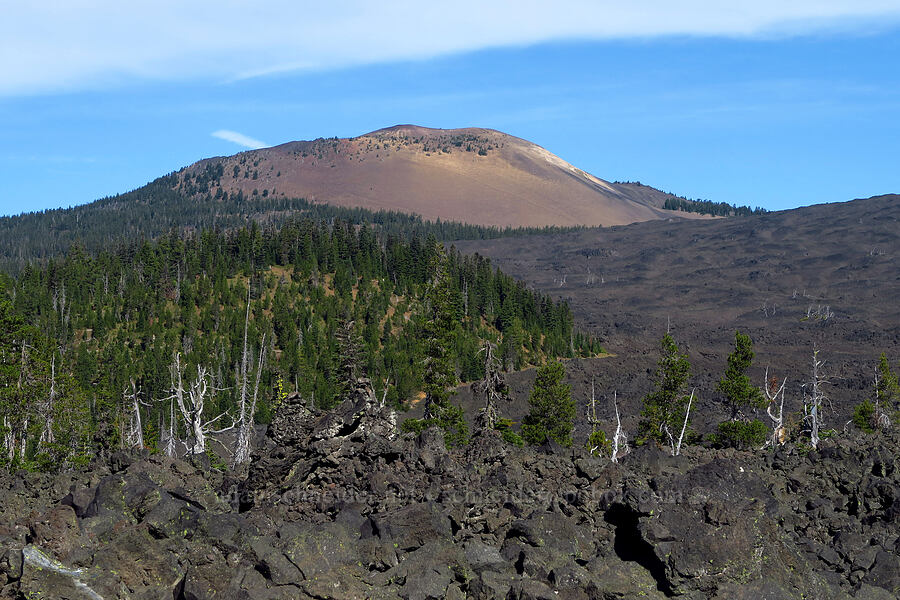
{"x":242,"y":446}
{"x":620,"y":440}
{"x":245,"y":422}
{"x":15,"y":430}
{"x":23,"y":444}
{"x":168,"y":439}
{"x":493,"y":387}
{"x":134,"y":437}
{"x":814,"y":400}
{"x":775,"y":395}
{"x":880,"y":419}
{"x":820,"y":311}
{"x":592,"y":417}
{"x":191,"y":403}
{"x":676,"y":450}
{"x":9,"y":439}
{"x":384,"y":395}
{"x":47,"y":436}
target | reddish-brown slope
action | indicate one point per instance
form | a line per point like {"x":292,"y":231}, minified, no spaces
{"x":477,"y":176}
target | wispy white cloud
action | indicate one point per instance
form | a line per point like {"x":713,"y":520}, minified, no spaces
{"x":239,"y":138}
{"x":50,"y":45}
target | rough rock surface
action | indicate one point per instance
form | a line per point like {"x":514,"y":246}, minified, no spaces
{"x":337,"y":506}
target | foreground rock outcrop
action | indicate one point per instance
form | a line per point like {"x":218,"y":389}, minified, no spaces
{"x":338,"y":506}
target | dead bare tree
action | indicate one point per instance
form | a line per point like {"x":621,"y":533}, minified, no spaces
{"x":880,"y":418}
{"x":9,"y":438}
{"x":775,"y":394}
{"x":814,"y":399}
{"x":492,"y":387}
{"x":247,"y":413}
{"x":620,"y":440}
{"x":676,"y":445}
{"x":243,"y":430}
{"x":821,"y":311}
{"x":47,"y":435}
{"x":592,"y":418}
{"x":168,"y":436}
{"x":134,"y":437}
{"x":191,"y":402}
{"x":676,"y":449}
{"x":16,"y":423}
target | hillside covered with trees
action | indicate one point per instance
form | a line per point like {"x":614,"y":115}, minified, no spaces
{"x":100,"y":349}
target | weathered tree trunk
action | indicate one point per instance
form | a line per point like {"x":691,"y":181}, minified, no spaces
{"x":772,"y":395}
{"x":492,"y":386}
{"x":814,"y":401}
{"x":677,"y":449}
{"x":191,"y":403}
{"x":135,"y":436}
{"x":620,"y":440}
{"x":47,"y":436}
{"x":245,"y":426}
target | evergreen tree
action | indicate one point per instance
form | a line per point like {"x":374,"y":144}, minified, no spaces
{"x":552,"y":413}
{"x":735,"y":384}
{"x":665,"y":407}
{"x":886,"y":407}
{"x":887,"y":388}
{"x":438,"y":335}
{"x":880,"y":413}
{"x":740,"y":431}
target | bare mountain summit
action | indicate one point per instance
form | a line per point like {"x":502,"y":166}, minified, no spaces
{"x":476,"y":176}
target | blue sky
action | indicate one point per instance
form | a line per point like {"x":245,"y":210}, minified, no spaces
{"x":756,"y":104}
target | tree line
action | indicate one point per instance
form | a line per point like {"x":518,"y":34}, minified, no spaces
{"x":185,"y":202}
{"x":708,"y":207}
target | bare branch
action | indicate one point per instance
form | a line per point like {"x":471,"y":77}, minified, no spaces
{"x":677,"y":450}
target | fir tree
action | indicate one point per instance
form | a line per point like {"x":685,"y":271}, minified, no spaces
{"x":438,"y":335}
{"x":552,"y":413}
{"x":740,"y":431}
{"x":665,"y":407}
{"x":735,"y":384}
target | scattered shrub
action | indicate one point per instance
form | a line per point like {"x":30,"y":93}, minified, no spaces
{"x":741,"y":434}
{"x":863,"y":416}
{"x":450,"y":419}
{"x":504,"y":426}
{"x":598,"y":444}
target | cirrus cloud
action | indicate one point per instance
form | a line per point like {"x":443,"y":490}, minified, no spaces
{"x":239,"y":138}
{"x":64,"y":45}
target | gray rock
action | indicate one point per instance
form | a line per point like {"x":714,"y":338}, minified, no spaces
{"x":885,"y":573}
{"x":413,"y":526}
{"x":317,"y":549}
{"x":10,"y":560}
{"x":274,"y":565}
{"x":481,"y":556}
{"x":530,"y":589}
